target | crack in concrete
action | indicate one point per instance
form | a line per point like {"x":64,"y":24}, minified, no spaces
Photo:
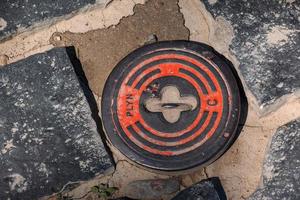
{"x":103,"y":19}
{"x":267,"y":121}
{"x":196,"y":9}
{"x":46,"y":23}
{"x":205,"y":172}
{"x":259,"y":130}
{"x":246,"y":156}
{"x":36,"y":40}
{"x":106,"y":42}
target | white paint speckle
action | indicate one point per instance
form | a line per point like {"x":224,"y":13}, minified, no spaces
{"x":38,"y":140}
{"x":18,"y":183}
{"x":43,"y":169}
{"x":3,"y":24}
{"x":53,"y":62}
{"x":84,"y":164}
{"x":67,"y":140}
{"x":290,"y":1}
{"x":19,"y":87}
{"x":279,"y":35}
{"x":24,"y":136}
{"x":280,"y":85}
{"x":14,"y":130}
{"x":212,"y":2}
{"x":8,"y":146}
{"x":20,"y":104}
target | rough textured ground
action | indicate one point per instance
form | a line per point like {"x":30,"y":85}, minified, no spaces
{"x":281,"y":173}
{"x":265,"y":41}
{"x":48,"y":136}
{"x":16,"y":16}
{"x":100,"y":50}
{"x":241,"y":167}
{"x":38,"y":40}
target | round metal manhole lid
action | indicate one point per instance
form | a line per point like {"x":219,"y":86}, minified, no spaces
{"x":171,"y":106}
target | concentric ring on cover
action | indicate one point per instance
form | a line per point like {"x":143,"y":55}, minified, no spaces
{"x":197,"y":138}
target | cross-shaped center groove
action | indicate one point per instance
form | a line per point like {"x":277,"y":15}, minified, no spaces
{"x":171,"y":103}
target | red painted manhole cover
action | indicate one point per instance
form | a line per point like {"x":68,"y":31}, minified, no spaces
{"x":171,"y":105}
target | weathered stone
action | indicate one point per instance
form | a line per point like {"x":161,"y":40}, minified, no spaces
{"x":209,"y":189}
{"x":266,"y":43}
{"x":16,"y":15}
{"x":151,"y":189}
{"x":281,"y":173}
{"x":48,"y":136}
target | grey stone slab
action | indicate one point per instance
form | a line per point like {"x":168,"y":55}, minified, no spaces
{"x":151,"y":189}
{"x":281,"y":173}
{"x":16,"y":15}
{"x":266,"y":43}
{"x":48,"y":136}
{"x":209,"y":189}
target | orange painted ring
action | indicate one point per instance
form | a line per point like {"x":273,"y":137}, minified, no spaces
{"x":152,"y":69}
{"x":166,"y":69}
{"x":197,"y":138}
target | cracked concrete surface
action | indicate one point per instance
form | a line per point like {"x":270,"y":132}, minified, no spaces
{"x":37,"y":40}
{"x":100,"y":50}
{"x":270,"y":70}
{"x":240,"y":168}
{"x":204,"y":28}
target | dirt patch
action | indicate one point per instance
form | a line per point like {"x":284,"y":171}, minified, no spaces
{"x":100,"y":50}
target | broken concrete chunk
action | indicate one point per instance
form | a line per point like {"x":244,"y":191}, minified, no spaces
{"x":281,"y":173}
{"x":47,"y":134}
{"x":266,"y":43}
{"x":17,"y":15}
{"x":209,"y":189}
{"x":151,"y":189}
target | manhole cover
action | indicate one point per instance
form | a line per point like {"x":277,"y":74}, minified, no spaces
{"x":171,"y":105}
